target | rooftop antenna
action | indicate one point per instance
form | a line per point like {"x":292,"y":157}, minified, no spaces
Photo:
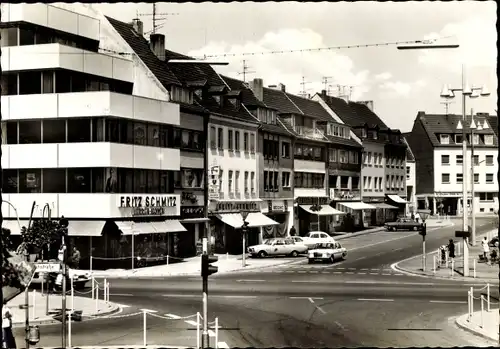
{"x":341,"y":91}
{"x":325,"y":81}
{"x":446,"y":105}
{"x":303,"y":92}
{"x":157,"y":17}
{"x":245,"y":71}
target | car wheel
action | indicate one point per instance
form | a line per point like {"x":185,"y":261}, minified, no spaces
{"x":294,"y":253}
{"x":262,"y":254}
{"x":415,"y":228}
{"x":310,"y":261}
{"x":332,"y":260}
{"x":344,"y":255}
{"x":496,"y":243}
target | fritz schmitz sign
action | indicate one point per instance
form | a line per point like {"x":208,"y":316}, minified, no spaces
{"x":150,"y":205}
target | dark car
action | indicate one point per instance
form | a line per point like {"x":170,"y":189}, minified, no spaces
{"x":494,"y":242}
{"x":403,"y":224}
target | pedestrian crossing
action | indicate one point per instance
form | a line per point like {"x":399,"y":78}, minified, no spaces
{"x":332,"y":269}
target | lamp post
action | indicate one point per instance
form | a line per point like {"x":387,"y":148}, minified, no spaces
{"x":466,"y":91}
{"x":424,"y":214}
{"x":244,"y":215}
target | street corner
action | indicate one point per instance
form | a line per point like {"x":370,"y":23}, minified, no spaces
{"x":489,"y":332}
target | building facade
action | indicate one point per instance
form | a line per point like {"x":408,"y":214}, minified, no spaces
{"x":97,"y":147}
{"x":437,"y":145}
{"x":411,"y":190}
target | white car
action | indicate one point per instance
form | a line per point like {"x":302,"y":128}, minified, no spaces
{"x":80,"y":278}
{"x":277,"y":247}
{"x":317,"y":237}
{"x":327,"y":252}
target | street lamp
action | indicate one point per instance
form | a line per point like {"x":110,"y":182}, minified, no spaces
{"x":244,"y":229}
{"x":466,"y":91}
{"x":424,"y":214}
{"x":473,"y":194}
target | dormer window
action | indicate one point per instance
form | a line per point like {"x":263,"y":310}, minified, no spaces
{"x":475,"y":139}
{"x":459,"y":139}
{"x":488,"y":139}
{"x":363,"y":132}
{"x":374,"y":135}
{"x":444,"y":139}
{"x":266,"y":116}
{"x":217,"y":98}
{"x":235,"y":102}
{"x":181,"y":95}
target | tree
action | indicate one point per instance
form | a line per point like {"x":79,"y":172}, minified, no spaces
{"x":43,"y":235}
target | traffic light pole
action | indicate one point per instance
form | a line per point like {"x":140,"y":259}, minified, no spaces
{"x":204,"y":337}
{"x":63,"y":305}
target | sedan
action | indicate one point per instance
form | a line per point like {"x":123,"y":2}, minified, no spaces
{"x":327,"y":252}
{"x":277,"y":247}
{"x":494,"y":242}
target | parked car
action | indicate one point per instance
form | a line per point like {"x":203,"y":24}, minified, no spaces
{"x":317,"y":237}
{"x":403,"y":224}
{"x":277,"y":247}
{"x":327,"y":252}
{"x":494,"y":242}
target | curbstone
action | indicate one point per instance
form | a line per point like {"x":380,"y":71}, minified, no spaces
{"x":462,"y":323}
{"x":119,"y":347}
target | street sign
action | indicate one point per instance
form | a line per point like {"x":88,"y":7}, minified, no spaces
{"x":48,"y":267}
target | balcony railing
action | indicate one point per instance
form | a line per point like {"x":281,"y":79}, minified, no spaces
{"x":309,"y":132}
{"x":346,"y":194}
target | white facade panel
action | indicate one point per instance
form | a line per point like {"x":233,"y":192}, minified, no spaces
{"x":309,"y":166}
{"x":309,"y":192}
{"x":85,"y":155}
{"x":78,"y":205}
{"x":31,"y":155}
{"x":63,"y":20}
{"x":170,"y":159}
{"x":55,"y":56}
{"x":81,"y":104}
{"x":191,"y":160}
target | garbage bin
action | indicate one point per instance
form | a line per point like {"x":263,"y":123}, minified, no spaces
{"x":34,"y":334}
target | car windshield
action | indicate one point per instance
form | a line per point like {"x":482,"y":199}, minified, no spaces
{"x":269,"y":242}
{"x":324,"y":246}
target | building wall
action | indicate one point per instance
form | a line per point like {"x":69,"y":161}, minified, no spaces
{"x":423,"y":151}
{"x":395,"y":167}
{"x":372,"y":170}
{"x":411,"y":185}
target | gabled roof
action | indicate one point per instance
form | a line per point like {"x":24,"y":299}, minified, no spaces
{"x":342,"y":109}
{"x":343,"y":141}
{"x":409,"y":153}
{"x":279,"y":100}
{"x":226,"y":109}
{"x":493,"y":121}
{"x":365,"y":116}
{"x":247,"y":96}
{"x":141,"y":48}
{"x":310,"y":108}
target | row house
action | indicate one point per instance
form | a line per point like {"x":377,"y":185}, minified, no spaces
{"x":436,"y":141}
{"x":87,"y":133}
{"x":411,"y":190}
{"x":383,"y":172}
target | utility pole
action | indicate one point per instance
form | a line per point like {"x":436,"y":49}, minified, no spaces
{"x":157,"y":17}
{"x":245,"y":71}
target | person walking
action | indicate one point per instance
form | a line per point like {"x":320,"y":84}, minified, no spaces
{"x":451,"y":249}
{"x":292,"y":231}
{"x":9,"y":342}
{"x":485,"y":248}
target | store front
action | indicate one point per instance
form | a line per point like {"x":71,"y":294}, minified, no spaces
{"x":357,"y":213}
{"x":313,"y":214}
{"x":193,"y":219}
{"x":280,"y":211}
{"x":400,"y":203}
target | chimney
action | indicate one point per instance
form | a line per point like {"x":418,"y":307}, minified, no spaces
{"x":257,"y":86}
{"x":369,"y":104}
{"x":323,"y":93}
{"x":279,"y":87}
{"x":138,"y":26}
{"x":157,"y":45}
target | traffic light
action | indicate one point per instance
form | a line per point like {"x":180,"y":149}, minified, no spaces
{"x":423,"y":230}
{"x":245,"y":226}
{"x":206,"y":267}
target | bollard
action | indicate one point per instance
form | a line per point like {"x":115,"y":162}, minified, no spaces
{"x":90,"y":265}
{"x":198,"y":330}
{"x":474,"y":267}
{"x":227,"y":255}
{"x":105,"y":289}
{"x":216,"y":333}
{"x":107,"y":293}
{"x":471,"y":300}
{"x":34,"y":305}
{"x":446,"y":259}
{"x":96,"y":299}
{"x":488,"y":295}
{"x":434,"y":264}
{"x":458,"y":249}
{"x":69,"y":327}
{"x":452,"y":267}
{"x":144,"y":340}
{"x":167,"y":259}
{"x":72,"y":294}
{"x":93,"y":286}
{"x":482,"y":310}
{"x":468,"y":306}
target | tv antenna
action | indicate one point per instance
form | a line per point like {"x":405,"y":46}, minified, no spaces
{"x":325,"y":81}
{"x":245,"y":71}
{"x":303,"y":92}
{"x":344,"y":91}
{"x":157,"y":17}
{"x":447,"y":105}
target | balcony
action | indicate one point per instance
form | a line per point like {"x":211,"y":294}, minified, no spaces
{"x":345,"y":194}
{"x":57,"y":56}
{"x":89,"y":104}
{"x":309,"y":132}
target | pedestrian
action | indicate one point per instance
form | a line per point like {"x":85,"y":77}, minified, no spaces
{"x":417,"y":217}
{"x":292,"y":231}
{"x":451,"y":249}
{"x":76,"y":258}
{"x":486,"y":248}
{"x":8,"y":337}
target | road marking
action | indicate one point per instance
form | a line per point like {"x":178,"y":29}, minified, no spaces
{"x":390,"y":283}
{"x":376,"y":300}
{"x":340,"y":325}
{"x":122,"y":294}
{"x":361,"y":273}
{"x":359,"y":259}
{"x":374,"y":269}
{"x":191,"y":322}
{"x":364,"y":268}
{"x":248,"y":280}
{"x":180,"y":295}
{"x":173,"y":316}
{"x":149,"y":310}
{"x":349,"y":272}
{"x":122,"y":305}
{"x":314,"y":272}
{"x":398,"y":249}
{"x":449,"y":302}
{"x":341,"y":268}
{"x":305,"y":281}
{"x":223,"y":345}
{"x":302,"y":271}
{"x":351,"y":268}
{"x":311,"y":300}
{"x":373,"y":273}
{"x":232,"y":296}
{"x":337,"y":272}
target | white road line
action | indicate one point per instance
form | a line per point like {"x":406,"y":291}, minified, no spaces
{"x":305,"y":281}
{"x":299,"y":297}
{"x":123,"y":305}
{"x":351,"y":268}
{"x":337,"y":272}
{"x":180,"y":295}
{"x":449,"y":302}
{"x":122,"y":294}
{"x":149,"y":310}
{"x":373,"y":273}
{"x":232,"y":296}
{"x":248,"y":280}
{"x":361,"y":273}
{"x":223,"y":345}
{"x":359,"y":258}
{"x":376,"y":300}
{"x":374,"y":269}
{"x":349,"y":272}
{"x":173,"y":316}
{"x":341,"y":268}
{"x":391,"y":283}
{"x":314,"y":272}
{"x":340,"y":325}
{"x":320,"y":309}
{"x":398,"y":249}
{"x":302,"y":271}
{"x":311,"y":300}
{"x":364,"y":268}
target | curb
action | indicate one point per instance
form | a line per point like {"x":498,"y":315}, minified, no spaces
{"x":463,"y":326}
{"x":346,"y":236}
{"x":46,"y":322}
{"x":118,"y":347}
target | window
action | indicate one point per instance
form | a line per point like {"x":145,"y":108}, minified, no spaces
{"x":276,"y":181}
{"x":285,"y":179}
{"x":78,"y":130}
{"x":309,"y":180}
{"x":153,"y":139}
{"x":486,"y":197}
{"x":458,"y":139}
{"x":476,"y":160}
{"x":98,"y":131}
{"x":460,"y":159}
{"x":78,"y":180}
{"x":140,"y":181}
{"x":343,"y":156}
{"x":475,"y":139}
{"x":230,"y":140}
{"x":489,"y":160}
{"x":221,"y":182}
{"x":48,"y":82}
{"x":445,"y":178}
{"x":245,"y":141}
{"x":445,"y":159}
{"x":489,"y":178}
{"x":30,"y":82}
{"x":54,"y":131}
{"x":285,"y":150}
{"x":54,"y":180}
{"x":476,"y":177}
{"x":445,"y":139}
{"x":165,"y":132}
{"x":252,"y":143}
{"x":213,"y":135}
{"x":220,"y":138}
{"x":237,"y":182}
{"x":30,"y":181}
{"x":237,"y":141}
{"x":177,"y":179}
{"x":10,"y":181}
{"x":246,"y":182}
{"x":9,"y":84}
{"x":230,"y":181}
{"x":9,"y":37}
{"x":344,"y":182}
{"x":30,"y":132}
{"x":332,"y":155}
{"x":192,"y":178}
{"x":252,"y":183}
{"x":140,"y":133}
{"x":266,"y":180}
{"x":488,"y":139}
{"x":11,"y":132}
{"x":26,"y":37}
{"x":353,"y":157}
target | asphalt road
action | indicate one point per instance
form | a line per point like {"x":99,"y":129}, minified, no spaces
{"x":358,"y":302}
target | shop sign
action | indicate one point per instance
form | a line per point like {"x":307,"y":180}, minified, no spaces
{"x":235,"y":206}
{"x":214,"y":183}
{"x":305,"y":200}
{"x":277,"y":206}
{"x":188,"y":198}
{"x":449,"y":194}
{"x":147,"y":205}
{"x":192,"y":212}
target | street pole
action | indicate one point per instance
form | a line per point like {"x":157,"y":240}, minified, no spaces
{"x":26,"y":291}
{"x":464,"y":180}
{"x":423,"y":248}
{"x":204,"y":336}
{"x":243,"y":262}
{"x":473,"y":194}
{"x":63,"y":300}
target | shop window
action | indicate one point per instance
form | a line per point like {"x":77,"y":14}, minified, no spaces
{"x":26,"y":36}
{"x":192,"y":178}
{"x":54,"y":131}
{"x":140,"y":181}
{"x":140,"y":133}
{"x":30,"y":180}
{"x":30,"y":83}
{"x":78,"y":130}
{"x":125,"y":180}
{"x":9,"y":84}
{"x":54,"y":180}
{"x":153,"y":135}
{"x":11,"y":132}
{"x":10,"y":181}
{"x":98,"y":179}
{"x":153,"y":181}
{"x":79,"y":180}
{"x":9,"y":37}
{"x":166,"y":179}
{"x":30,"y":132}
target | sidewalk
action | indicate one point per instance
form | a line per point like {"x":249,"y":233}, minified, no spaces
{"x":37,"y":308}
{"x":484,"y":271}
{"x":489,"y":330}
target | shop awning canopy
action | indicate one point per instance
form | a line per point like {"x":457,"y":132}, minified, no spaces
{"x":167,"y":226}
{"x":85,"y":228}
{"x":326,"y":210}
{"x":384,"y":205}
{"x":358,"y":205}
{"x":194,"y":220}
{"x":397,"y":199}
{"x":255,"y":219}
{"x":13,"y":226}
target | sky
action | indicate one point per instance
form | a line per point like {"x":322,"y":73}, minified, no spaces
{"x":400,"y":83}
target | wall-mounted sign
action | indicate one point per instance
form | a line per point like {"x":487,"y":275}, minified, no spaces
{"x":277,"y":206}
{"x":305,"y":200}
{"x":192,"y":212}
{"x":148,"y":211}
{"x":213,"y":183}
{"x":188,"y":198}
{"x":449,"y":194}
{"x":235,"y":206}
{"x":147,"y":201}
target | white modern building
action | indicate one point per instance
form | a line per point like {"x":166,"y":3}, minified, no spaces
{"x":86,"y":130}
{"x":437,"y":145}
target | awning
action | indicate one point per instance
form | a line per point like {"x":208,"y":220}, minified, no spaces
{"x":384,"y":205}
{"x":357,"y":205}
{"x":129,"y":228}
{"x":255,"y":219}
{"x":326,"y":210}
{"x":13,"y":226}
{"x":85,"y":228}
{"x":397,"y":199}
{"x":194,"y":220}
{"x":168,"y":226}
